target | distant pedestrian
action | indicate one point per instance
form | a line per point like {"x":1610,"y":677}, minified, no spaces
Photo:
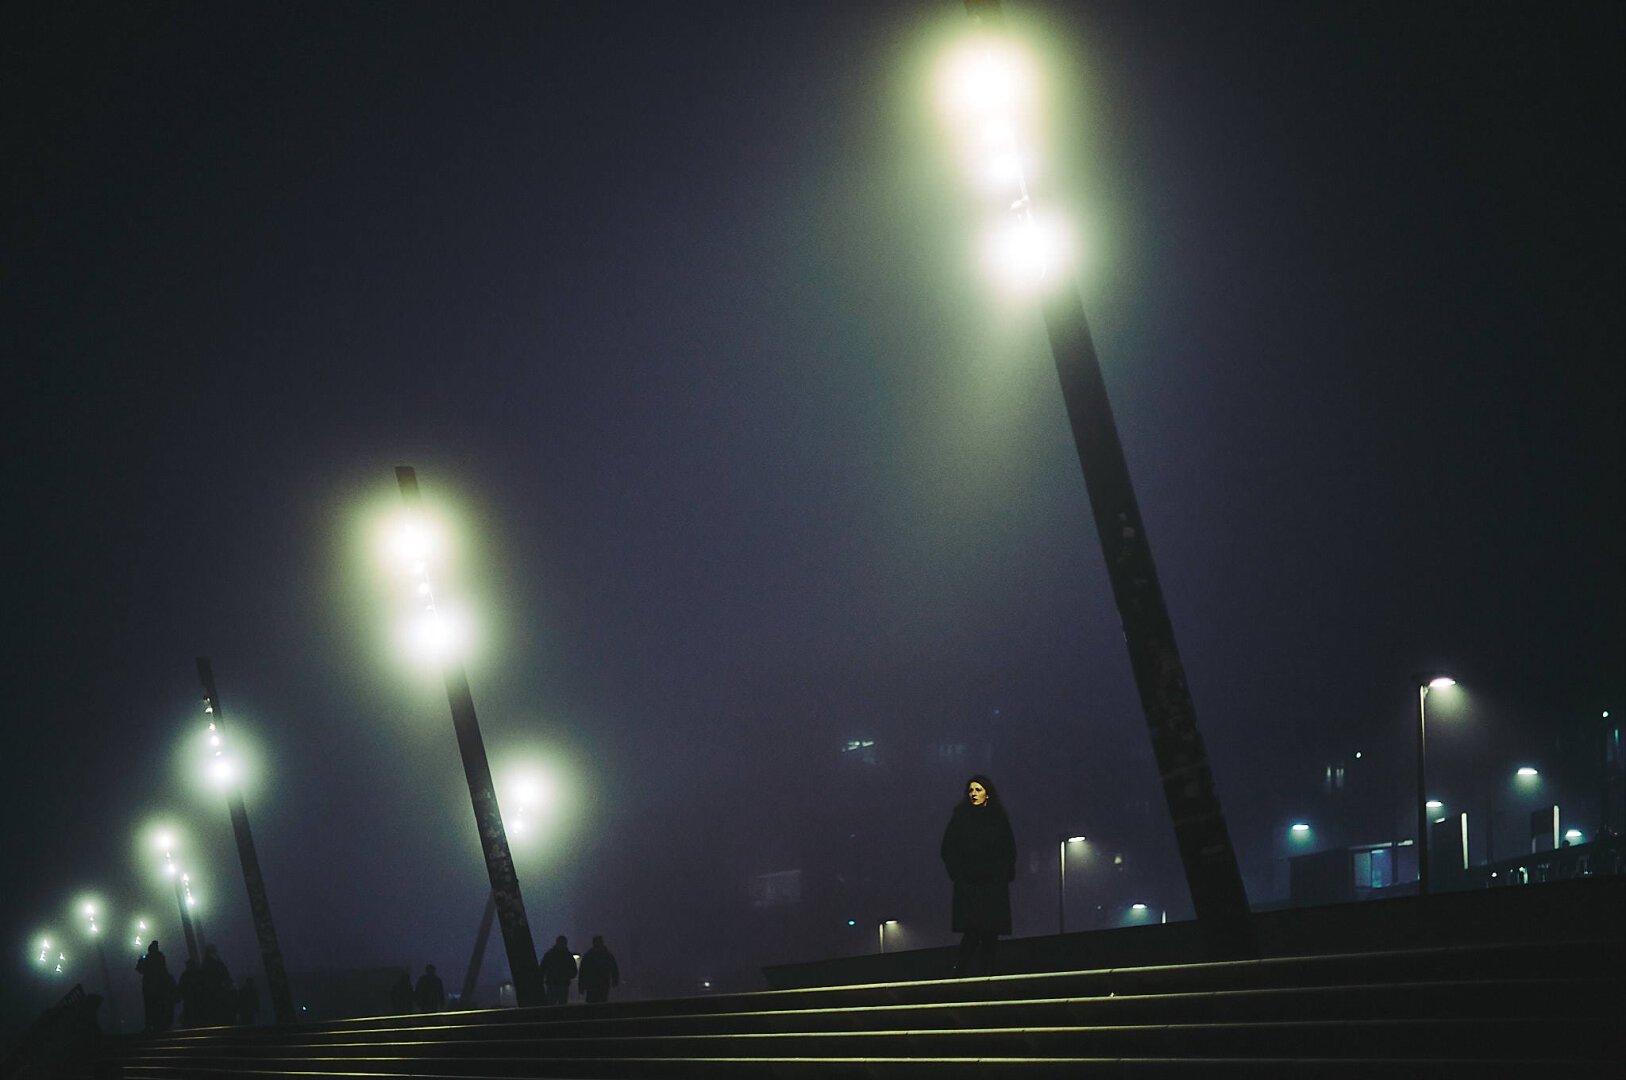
{"x":157,"y":989}
{"x":401,"y":995}
{"x":248,"y":1001}
{"x":558,"y":972}
{"x":219,"y":995}
{"x":431,"y":993}
{"x":190,"y":988}
{"x":599,"y":972}
{"x":979,"y":853}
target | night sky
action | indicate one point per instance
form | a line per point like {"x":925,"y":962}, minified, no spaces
{"x":677,"y":308}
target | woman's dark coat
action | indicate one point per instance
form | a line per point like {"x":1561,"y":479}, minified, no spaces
{"x":980,"y":855}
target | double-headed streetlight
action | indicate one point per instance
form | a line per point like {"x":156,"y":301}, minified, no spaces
{"x":1061,"y":881}
{"x":985,"y":90}
{"x":505,"y":894}
{"x":1439,"y":682}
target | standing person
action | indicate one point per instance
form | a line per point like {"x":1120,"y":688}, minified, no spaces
{"x":190,"y":989}
{"x":979,"y":853}
{"x":558,"y":970}
{"x":219,"y":995}
{"x":431,"y":991}
{"x":157,"y":989}
{"x":599,"y":971}
{"x":401,"y":994}
{"x":248,"y":1001}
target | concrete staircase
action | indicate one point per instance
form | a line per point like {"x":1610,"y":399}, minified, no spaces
{"x":1555,"y":1009}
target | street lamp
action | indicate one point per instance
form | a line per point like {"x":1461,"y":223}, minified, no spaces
{"x":1440,"y":682}
{"x":987,"y":104}
{"x":265,"y":930}
{"x":165,"y":841}
{"x":884,"y":923}
{"x":1061,"y":884}
{"x":527,"y":792}
{"x":89,"y":909}
{"x":510,"y":906}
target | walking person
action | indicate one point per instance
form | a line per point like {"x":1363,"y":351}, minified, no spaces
{"x":979,"y":853}
{"x":558,"y":971}
{"x":157,"y":989}
{"x":599,"y":972}
{"x":431,"y":992}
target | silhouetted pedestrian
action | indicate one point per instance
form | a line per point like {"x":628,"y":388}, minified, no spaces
{"x":190,"y":988}
{"x":248,"y":1001}
{"x":599,"y":971}
{"x":979,"y":853}
{"x":157,"y":989}
{"x":219,"y":999}
{"x":401,"y":994}
{"x":431,"y":992}
{"x":558,"y":971}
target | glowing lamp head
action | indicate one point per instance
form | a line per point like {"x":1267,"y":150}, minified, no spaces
{"x":1434,"y":804}
{"x":1443,"y":682}
{"x":1527,"y":772}
{"x":1137,"y":907}
{"x":1300,"y":827}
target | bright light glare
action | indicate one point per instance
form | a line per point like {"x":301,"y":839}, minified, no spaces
{"x":1075,"y":839}
{"x":1434,"y":804}
{"x":1572,"y":835}
{"x":1137,"y":907}
{"x":1442,"y":682}
{"x":1301,"y":827}
{"x":1021,"y":254}
{"x":437,"y":636}
{"x":1527,"y":771}
{"x":222,"y":772}
{"x":984,"y":78}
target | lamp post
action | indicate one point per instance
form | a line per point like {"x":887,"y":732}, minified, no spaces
{"x":1201,"y":834}
{"x":183,"y":890}
{"x":265,"y":930}
{"x":881,"y":928}
{"x":510,"y":907}
{"x":1061,"y":883}
{"x":88,"y":909}
{"x":1440,"y":682}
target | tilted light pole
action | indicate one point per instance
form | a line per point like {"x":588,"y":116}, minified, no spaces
{"x":510,"y":907}
{"x":1423,"y":687}
{"x":1201,"y":834}
{"x":166,"y":844}
{"x":94,"y":929}
{"x":265,"y":930}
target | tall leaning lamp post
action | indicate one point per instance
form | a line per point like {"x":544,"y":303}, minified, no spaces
{"x":1441,"y":682}
{"x":265,"y":930}
{"x":505,"y":895}
{"x":986,"y":110}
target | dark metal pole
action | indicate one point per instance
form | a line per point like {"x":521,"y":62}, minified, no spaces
{"x":186,"y":919}
{"x":516,"y":929}
{"x":480,"y":938}
{"x":1203,"y":838}
{"x":276,"y":977}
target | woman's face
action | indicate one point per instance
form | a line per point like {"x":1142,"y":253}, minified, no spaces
{"x":977,"y":794}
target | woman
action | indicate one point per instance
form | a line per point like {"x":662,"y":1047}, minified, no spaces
{"x":980,"y":856}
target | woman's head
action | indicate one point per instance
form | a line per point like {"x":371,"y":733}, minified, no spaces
{"x":980,"y":792}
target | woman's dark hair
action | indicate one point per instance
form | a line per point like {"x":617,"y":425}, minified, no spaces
{"x":994,"y":802}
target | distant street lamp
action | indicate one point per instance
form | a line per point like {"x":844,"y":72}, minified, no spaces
{"x":884,"y":923}
{"x":265,"y":930}
{"x":1423,"y":687}
{"x":165,"y":842}
{"x":985,"y":90}
{"x":1061,"y":883}
{"x":510,"y":906}
{"x":89,"y":912}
